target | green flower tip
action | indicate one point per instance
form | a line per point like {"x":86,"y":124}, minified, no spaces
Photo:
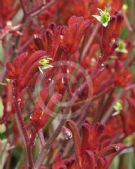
{"x":125,"y":7}
{"x":121,"y":47}
{"x":104,"y":17}
{"x":118,"y":106}
{"x":44,"y":64}
{"x":129,"y":140}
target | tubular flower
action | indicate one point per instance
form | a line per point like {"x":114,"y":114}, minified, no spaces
{"x":39,"y":116}
{"x":22,"y":71}
{"x":111,"y":33}
{"x":95,"y":149}
{"x":72,"y":35}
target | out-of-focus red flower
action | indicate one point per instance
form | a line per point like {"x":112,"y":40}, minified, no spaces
{"x":8,"y":9}
{"x":59,"y":163}
{"x":112,"y":5}
{"x":122,"y":78}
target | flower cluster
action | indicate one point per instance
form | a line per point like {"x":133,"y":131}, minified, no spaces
{"x":67,"y":84}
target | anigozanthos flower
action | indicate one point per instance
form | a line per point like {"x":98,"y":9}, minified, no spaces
{"x":44,"y":64}
{"x":121,"y":48}
{"x":118,"y":107}
{"x":104,"y":17}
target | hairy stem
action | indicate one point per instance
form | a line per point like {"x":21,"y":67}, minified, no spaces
{"x":46,"y":148}
{"x":41,"y":8}
{"x":21,"y":127}
{"x":90,"y":40}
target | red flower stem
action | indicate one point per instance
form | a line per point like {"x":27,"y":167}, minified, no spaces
{"x":103,"y":107}
{"x":108,"y":113}
{"x":20,"y":130}
{"x":130,"y":61}
{"x":123,"y":123}
{"x":90,"y":40}
{"x":99,"y":110}
{"x":84,"y":109}
{"x":46,"y":148}
{"x":21,"y":127}
{"x":96,"y":96}
{"x":3,"y":119}
{"x":41,"y":8}
{"x":41,"y":136}
{"x":23,"y":47}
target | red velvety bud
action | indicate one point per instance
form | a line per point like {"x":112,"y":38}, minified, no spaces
{"x":21,"y":59}
{"x":39,"y":117}
{"x":23,"y":82}
{"x":50,"y":108}
{"x":77,"y":141}
{"x":36,"y":115}
{"x":11,"y":71}
{"x":74,"y":32}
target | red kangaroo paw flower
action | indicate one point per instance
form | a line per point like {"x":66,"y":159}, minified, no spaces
{"x":77,"y":141}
